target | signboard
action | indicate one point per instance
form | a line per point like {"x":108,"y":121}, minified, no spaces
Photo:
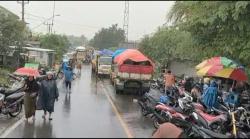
{"x":31,"y":65}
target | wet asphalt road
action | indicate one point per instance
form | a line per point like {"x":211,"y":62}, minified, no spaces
{"x":91,"y":110}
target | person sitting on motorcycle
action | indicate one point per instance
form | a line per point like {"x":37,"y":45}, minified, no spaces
{"x":196,"y":93}
{"x":169,"y":80}
{"x":188,"y":83}
{"x":64,"y":66}
{"x":206,"y":84}
{"x":232,"y":97}
{"x":210,"y":95}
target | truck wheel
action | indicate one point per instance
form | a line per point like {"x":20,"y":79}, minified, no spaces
{"x":117,"y":91}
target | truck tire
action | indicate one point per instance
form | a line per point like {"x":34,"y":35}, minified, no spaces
{"x":117,"y":91}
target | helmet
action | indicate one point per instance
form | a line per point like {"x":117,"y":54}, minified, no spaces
{"x":206,"y":80}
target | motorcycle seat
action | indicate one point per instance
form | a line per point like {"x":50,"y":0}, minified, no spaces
{"x":10,"y":91}
{"x":165,"y":108}
{"x":212,"y":118}
{"x":15,"y":96}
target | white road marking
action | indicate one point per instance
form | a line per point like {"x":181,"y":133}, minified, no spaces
{"x":11,"y":128}
{"x":123,"y":124}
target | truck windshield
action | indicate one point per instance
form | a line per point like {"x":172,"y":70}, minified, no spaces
{"x":105,"y":60}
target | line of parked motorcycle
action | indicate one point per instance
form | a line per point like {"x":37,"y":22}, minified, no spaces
{"x":177,"y":106}
{"x":12,"y":97}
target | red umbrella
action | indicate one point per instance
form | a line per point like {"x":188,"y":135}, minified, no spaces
{"x":27,"y":71}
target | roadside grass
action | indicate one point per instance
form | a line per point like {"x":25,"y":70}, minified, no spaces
{"x":4,"y":76}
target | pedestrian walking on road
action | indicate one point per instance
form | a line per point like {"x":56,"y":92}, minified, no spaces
{"x":31,"y":91}
{"x":49,"y":94}
{"x":79,"y":67}
{"x":68,"y":77}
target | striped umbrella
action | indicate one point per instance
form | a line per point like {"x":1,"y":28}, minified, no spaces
{"x":219,"y":71}
{"x":225,"y":62}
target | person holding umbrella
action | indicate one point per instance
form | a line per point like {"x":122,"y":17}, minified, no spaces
{"x":31,"y":91}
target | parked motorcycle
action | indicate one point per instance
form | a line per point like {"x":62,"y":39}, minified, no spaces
{"x":158,"y":84}
{"x":11,"y":99}
{"x":148,"y":101}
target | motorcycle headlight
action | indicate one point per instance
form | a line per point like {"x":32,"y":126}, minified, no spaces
{"x":1,"y":99}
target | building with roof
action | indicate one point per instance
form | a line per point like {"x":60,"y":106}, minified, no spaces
{"x":45,"y":57}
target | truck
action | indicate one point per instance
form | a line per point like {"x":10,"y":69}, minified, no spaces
{"x":80,"y":53}
{"x":131,"y":71}
{"x":101,"y":65}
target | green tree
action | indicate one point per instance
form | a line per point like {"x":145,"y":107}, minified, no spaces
{"x":217,"y":27}
{"x":12,"y":30}
{"x":168,"y":43}
{"x":59,"y":43}
{"x":108,"y":37}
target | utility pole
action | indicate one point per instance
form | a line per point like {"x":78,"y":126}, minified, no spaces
{"x":53,"y":16}
{"x":126,"y":19}
{"x":48,"y":27}
{"x":23,"y":4}
{"x":22,"y":41}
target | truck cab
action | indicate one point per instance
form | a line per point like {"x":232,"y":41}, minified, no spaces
{"x":101,"y":65}
{"x":104,"y":65}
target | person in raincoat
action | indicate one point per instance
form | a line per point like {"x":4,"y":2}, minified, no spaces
{"x":49,"y":94}
{"x":232,"y":98}
{"x":68,"y":77}
{"x":206,"y":84}
{"x":210,"y":95}
{"x":31,"y":90}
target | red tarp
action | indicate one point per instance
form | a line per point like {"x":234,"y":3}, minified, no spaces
{"x":136,"y":56}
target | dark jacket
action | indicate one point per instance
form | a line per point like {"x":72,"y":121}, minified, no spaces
{"x":32,"y":86}
{"x":49,"y":93}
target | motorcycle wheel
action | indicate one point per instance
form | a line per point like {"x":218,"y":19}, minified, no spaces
{"x":144,"y":111}
{"x":241,"y":134}
{"x":154,"y":86}
{"x":18,"y":110}
{"x":156,"y":122}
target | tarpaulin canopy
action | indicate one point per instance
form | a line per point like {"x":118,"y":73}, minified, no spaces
{"x":118,"y":52}
{"x":106,"y":52}
{"x":131,"y":54}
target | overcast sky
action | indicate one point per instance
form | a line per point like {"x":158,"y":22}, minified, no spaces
{"x":87,"y":17}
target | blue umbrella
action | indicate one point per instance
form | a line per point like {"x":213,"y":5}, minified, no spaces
{"x":117,"y":52}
